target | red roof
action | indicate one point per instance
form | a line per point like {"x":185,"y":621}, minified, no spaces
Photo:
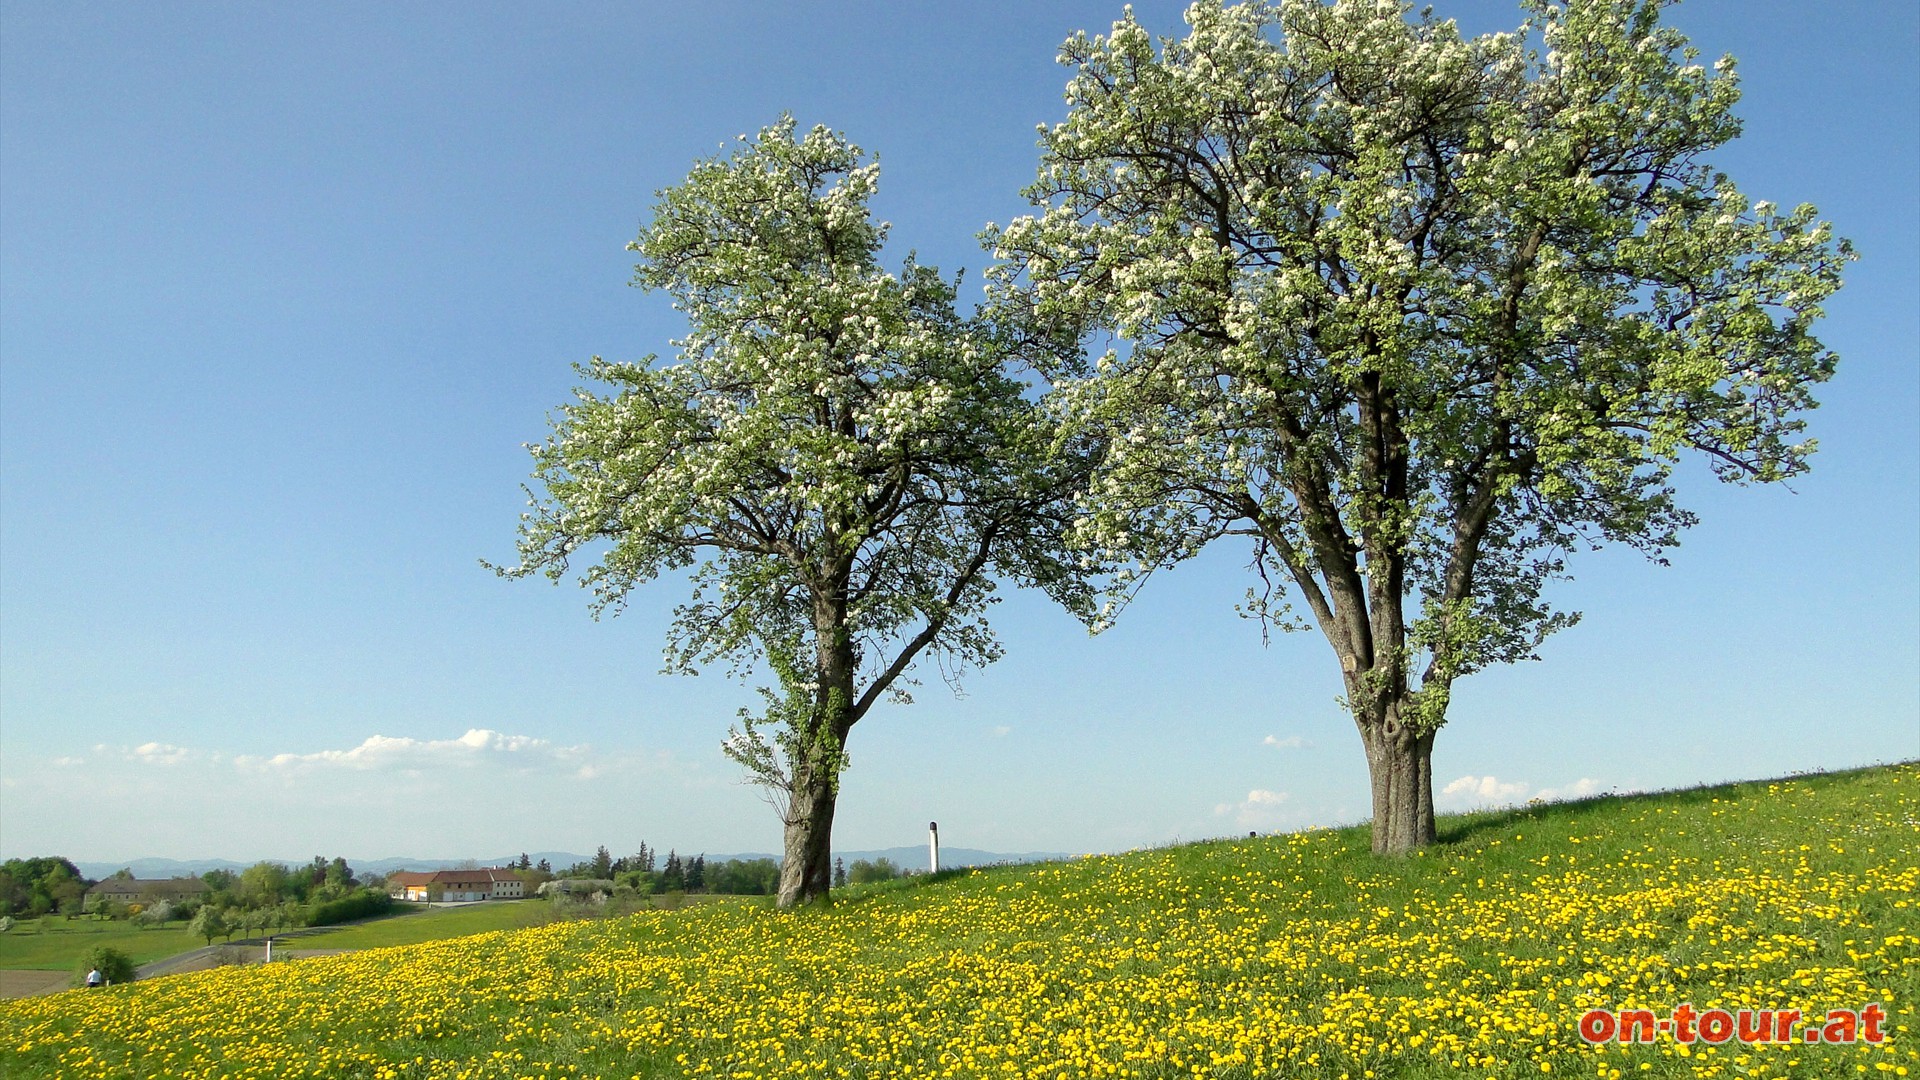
{"x":421,"y":877}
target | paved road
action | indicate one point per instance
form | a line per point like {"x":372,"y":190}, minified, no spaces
{"x":15,"y":984}
{"x":29,"y":983}
{"x":186,"y":961}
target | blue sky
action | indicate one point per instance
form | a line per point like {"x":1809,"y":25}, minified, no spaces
{"x":283,"y":289}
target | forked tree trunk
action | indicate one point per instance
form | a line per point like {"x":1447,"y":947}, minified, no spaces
{"x":806,"y":871}
{"x":1400,"y":764}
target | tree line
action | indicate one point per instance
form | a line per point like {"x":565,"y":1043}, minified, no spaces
{"x":644,"y":873}
{"x":265,"y":896}
{"x":41,"y":886}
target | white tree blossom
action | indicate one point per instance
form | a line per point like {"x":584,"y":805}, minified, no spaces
{"x":848,"y":466}
{"x":1417,"y":313}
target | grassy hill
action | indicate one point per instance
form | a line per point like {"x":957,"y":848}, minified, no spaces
{"x":1295,"y":956}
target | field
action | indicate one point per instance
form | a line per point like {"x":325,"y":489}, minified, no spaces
{"x":55,"y":942}
{"x":415,"y":924}
{"x":1288,"y":956}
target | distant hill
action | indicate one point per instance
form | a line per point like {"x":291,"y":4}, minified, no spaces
{"x":165,"y":868}
{"x":915,"y":857}
{"x":909,"y":858}
{"x":160,"y":868}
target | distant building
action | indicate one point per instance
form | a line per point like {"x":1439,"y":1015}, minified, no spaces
{"x":409,"y":884}
{"x":491,"y":883}
{"x":128,"y":890}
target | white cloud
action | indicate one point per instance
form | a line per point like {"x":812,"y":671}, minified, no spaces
{"x":1484,"y":790}
{"x":159,"y":753}
{"x":1579,"y":789}
{"x":390,"y":752}
{"x":1000,"y":731}
{"x":1291,"y":742}
{"x":475,"y":794}
{"x":1259,"y":810}
{"x":1469,"y":792}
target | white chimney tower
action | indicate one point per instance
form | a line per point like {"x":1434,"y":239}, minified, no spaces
{"x":933,"y":846}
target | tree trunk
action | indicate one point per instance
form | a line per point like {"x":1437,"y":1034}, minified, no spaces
{"x":1400,"y":764}
{"x":806,"y":871}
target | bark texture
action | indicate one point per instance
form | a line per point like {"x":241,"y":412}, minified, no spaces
{"x":1400,"y":765}
{"x":806,"y":871}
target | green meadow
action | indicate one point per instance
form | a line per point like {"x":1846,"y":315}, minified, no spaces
{"x":56,"y":942}
{"x":416,"y":924}
{"x":1298,"y":955}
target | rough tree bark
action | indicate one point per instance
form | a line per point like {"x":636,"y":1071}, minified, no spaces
{"x":806,"y":870}
{"x":1400,"y":765}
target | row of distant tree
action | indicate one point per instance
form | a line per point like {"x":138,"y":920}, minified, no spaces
{"x":210,"y":921}
{"x":48,"y":885}
{"x":646,"y":872}
{"x":262,"y":898}
{"x":271,"y":895}
{"x":270,"y":884}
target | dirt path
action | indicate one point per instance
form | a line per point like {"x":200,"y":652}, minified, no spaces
{"x":19,"y":984}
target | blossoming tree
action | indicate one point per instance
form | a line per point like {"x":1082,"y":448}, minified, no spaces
{"x":1418,"y":314}
{"x":847,"y":465}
